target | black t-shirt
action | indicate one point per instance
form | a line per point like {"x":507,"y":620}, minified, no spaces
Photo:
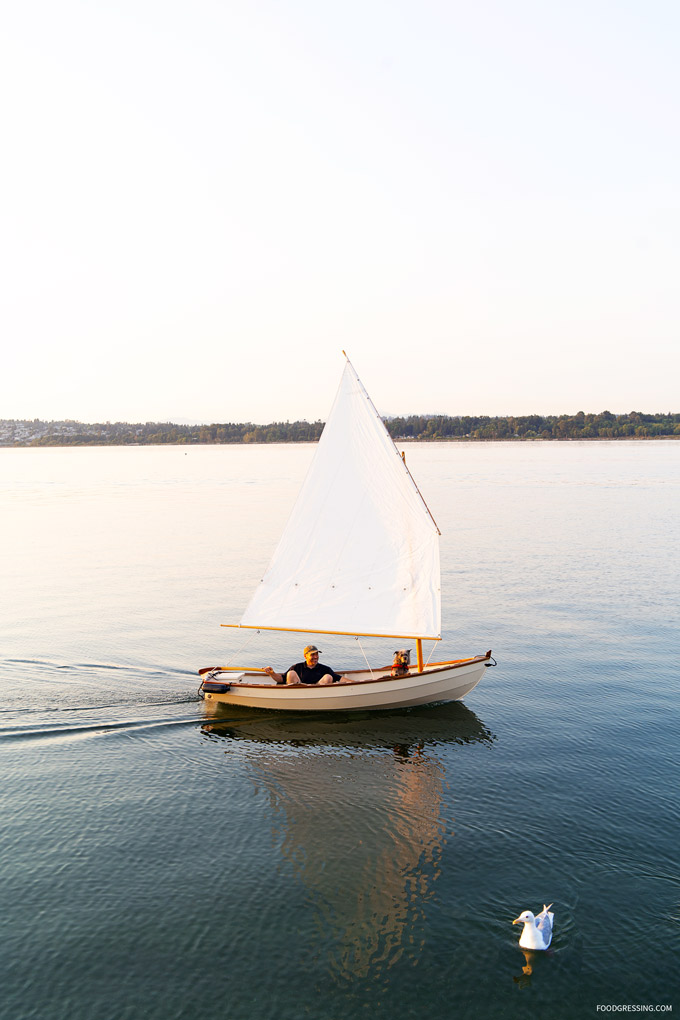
{"x":312,"y":675}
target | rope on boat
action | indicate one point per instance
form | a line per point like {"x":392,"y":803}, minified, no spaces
{"x":364,"y":655}
{"x":245,"y":644}
{"x":429,"y":657}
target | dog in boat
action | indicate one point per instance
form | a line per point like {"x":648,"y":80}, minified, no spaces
{"x":401,"y":662}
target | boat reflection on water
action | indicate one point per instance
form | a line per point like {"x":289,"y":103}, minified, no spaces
{"x":451,"y":723}
{"x":361,"y":813}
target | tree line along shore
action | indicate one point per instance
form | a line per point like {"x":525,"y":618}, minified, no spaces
{"x":426,"y":428}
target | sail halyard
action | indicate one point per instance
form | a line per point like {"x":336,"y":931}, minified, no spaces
{"x":360,"y":552}
{"x":394,"y":445}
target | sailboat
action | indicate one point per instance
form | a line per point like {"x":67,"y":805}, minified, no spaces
{"x":359,"y":557}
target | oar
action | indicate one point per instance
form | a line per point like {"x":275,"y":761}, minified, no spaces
{"x":231,"y":669}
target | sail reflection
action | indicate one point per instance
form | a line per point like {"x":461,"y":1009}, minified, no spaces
{"x":361,"y":816}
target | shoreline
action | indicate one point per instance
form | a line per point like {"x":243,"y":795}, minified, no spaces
{"x":32,"y":445}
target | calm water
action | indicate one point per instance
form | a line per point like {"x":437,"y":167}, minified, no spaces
{"x":159,"y":865}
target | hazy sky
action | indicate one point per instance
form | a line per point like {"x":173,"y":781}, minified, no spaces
{"x":204,"y":201}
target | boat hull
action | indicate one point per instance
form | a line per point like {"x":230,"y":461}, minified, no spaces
{"x":447,"y":682}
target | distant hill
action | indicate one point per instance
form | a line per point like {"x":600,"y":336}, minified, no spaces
{"x":425,"y":428}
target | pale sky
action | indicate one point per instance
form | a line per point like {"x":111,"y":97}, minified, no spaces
{"x":203,"y":202}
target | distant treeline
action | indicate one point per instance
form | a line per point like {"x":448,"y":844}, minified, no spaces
{"x":415,"y":427}
{"x":535,"y":426}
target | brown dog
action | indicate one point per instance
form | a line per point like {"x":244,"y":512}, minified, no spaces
{"x":401,"y":662}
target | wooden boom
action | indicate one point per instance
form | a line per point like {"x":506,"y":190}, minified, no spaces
{"x":338,"y":633}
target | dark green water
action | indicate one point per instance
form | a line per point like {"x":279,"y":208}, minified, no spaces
{"x":159,"y":864}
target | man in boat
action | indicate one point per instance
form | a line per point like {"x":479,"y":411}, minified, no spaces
{"x":311,"y":671}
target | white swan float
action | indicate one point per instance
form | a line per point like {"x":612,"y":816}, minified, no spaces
{"x":538,"y":929}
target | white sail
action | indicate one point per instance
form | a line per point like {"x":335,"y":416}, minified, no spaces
{"x":360,"y":552}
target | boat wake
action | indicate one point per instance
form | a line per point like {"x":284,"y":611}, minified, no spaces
{"x":50,"y":700}
{"x":66,"y":732}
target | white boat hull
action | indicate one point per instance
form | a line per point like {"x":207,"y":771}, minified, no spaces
{"x":440,"y":682}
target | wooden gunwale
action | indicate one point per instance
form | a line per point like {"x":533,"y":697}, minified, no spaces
{"x":438,"y":668}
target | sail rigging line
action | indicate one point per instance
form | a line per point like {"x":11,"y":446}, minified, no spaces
{"x":429,"y":657}
{"x":356,"y":638}
{"x":243,"y":646}
{"x":396,"y":450}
